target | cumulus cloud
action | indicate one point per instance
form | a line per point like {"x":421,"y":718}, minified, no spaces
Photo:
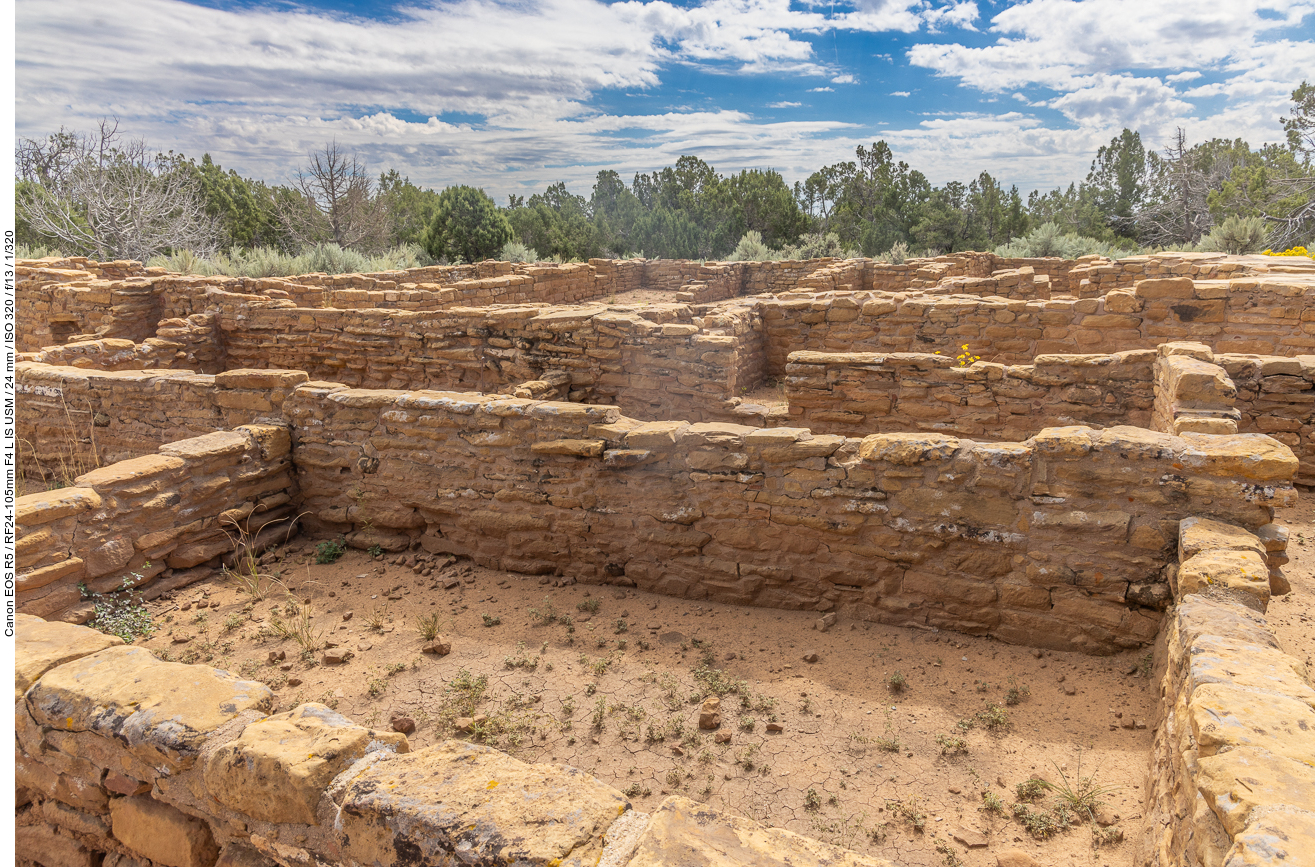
{"x":900,"y":93}
{"x":844,"y":79}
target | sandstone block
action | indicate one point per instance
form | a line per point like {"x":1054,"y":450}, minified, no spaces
{"x":690,"y":834}
{"x":44,"y":845}
{"x":220,"y":444}
{"x":109,"y":557}
{"x":1224,"y":716}
{"x":36,"y":509}
{"x":161,"y":712}
{"x":40,"y":646}
{"x":1164,"y":287}
{"x":578,"y":448}
{"x":1196,"y":535}
{"x":162,"y":833}
{"x":462,"y":797}
{"x":278,"y":768}
{"x":908,"y":449}
{"x":130,"y":472}
{"x":1242,"y":572}
{"x":1279,"y":838}
{"x":1238,"y":782}
{"x":1254,"y":457}
{"x":38,"y":578}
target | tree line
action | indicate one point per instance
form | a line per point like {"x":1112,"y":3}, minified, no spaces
{"x":104,"y":195}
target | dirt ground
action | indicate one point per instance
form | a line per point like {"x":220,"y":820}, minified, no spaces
{"x":610,"y":680}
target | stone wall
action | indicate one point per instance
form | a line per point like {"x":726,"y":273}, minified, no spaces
{"x":1243,"y":315}
{"x":1276,"y":396}
{"x":1233,"y":761}
{"x":1060,"y":540}
{"x":861,"y":393}
{"x":149,"y":520}
{"x":122,"y":759}
{"x":71,"y":420}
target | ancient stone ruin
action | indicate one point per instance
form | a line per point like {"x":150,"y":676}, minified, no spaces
{"x":1076,"y":455}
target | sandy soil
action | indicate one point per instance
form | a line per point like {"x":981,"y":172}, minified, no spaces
{"x":1292,"y":616}
{"x":616,"y":691}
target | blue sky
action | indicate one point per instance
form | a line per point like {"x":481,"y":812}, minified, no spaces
{"x":513,"y":96}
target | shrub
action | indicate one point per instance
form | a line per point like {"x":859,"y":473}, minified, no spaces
{"x":752,"y":249}
{"x":1236,"y":235}
{"x":1049,"y":240}
{"x":515,"y":251}
{"x":122,"y":612}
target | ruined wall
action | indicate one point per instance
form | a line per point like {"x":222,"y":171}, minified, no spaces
{"x":1232,"y":776}
{"x":71,"y":421}
{"x":1243,"y":315}
{"x":1060,"y":539}
{"x":1276,"y":396}
{"x":122,"y":759}
{"x":651,"y":360}
{"x":150,"y":519}
{"x":862,"y":393}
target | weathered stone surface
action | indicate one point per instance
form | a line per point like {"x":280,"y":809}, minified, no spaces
{"x":278,"y":768}
{"x":160,"y":711}
{"x":1240,"y":781}
{"x":1240,"y":572}
{"x":46,"y":846}
{"x":1224,"y":716}
{"x":1196,"y":535}
{"x":1284,"y":837}
{"x":684,"y":832}
{"x":162,"y":833}
{"x":462,"y":797}
{"x":40,"y":646}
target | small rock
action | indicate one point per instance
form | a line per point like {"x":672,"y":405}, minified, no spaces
{"x":1106,"y":817}
{"x":1015,"y":858}
{"x":1036,"y":654}
{"x":364,"y":646}
{"x":403,"y":724}
{"x":336,"y":657}
{"x":677,"y":751}
{"x":186,"y":606}
{"x":970,"y":838}
{"x":545,"y":580}
{"x":775,"y":727}
{"x":829,"y":618}
{"x":439,"y":647}
{"x":1070,"y":689}
{"x":294,"y":681}
{"x":728,"y":657}
{"x":955,"y":790}
{"x":810,"y":656}
{"x":722,"y":737}
{"x":277,"y":656}
{"x":1060,"y":679}
{"x":466,"y":723}
{"x":181,"y":638}
{"x":710,"y":713}
{"x":346,"y":615}
{"x":451,"y":583}
{"x":287,"y":666}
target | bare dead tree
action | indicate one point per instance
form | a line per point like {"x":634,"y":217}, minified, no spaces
{"x":337,"y":203}
{"x":105,"y":197}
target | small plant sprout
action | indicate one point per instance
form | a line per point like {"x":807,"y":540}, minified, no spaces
{"x":330,"y":551}
{"x":812,"y":801}
{"x":427,"y":626}
{"x":122,"y":612}
{"x":896,"y":682}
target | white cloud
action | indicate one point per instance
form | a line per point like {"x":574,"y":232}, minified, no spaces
{"x":822,"y":90}
{"x":900,"y":93}
{"x":844,"y":79}
{"x":784,"y":104}
{"x":1189,"y":75}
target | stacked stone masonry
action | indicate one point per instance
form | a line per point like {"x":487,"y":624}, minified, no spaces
{"x":122,"y":760}
{"x":147,"y":522}
{"x":1118,"y":450}
{"x":1233,"y":761}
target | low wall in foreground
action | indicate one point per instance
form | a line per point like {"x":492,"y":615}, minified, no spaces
{"x":122,"y":759}
{"x":1233,"y":761}
{"x":146,"y":521}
